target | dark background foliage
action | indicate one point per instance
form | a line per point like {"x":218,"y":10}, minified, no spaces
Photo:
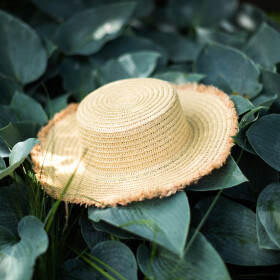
{"x":55,"y":52}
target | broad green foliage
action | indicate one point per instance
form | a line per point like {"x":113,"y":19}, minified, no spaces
{"x":90,"y":234}
{"x":113,"y":256}
{"x":259,"y":175}
{"x":242,"y":104}
{"x":192,"y":266}
{"x":264,"y":46}
{"x":231,"y":228}
{"x":17,"y":259}
{"x":227,"y":176}
{"x":17,"y":132}
{"x":152,"y":220}
{"x":22,"y":55}
{"x":99,"y":25}
{"x":177,"y":77}
{"x":264,"y":137}
{"x":268,"y":210}
{"x":18,"y":154}
{"x":12,"y":206}
{"x":27,"y":109}
{"x":204,"y":13}
{"x":137,"y":65}
{"x":53,"y":53}
{"x":229,"y":69}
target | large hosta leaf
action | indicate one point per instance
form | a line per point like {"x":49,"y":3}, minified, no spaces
{"x":242,"y":104}
{"x":17,"y":260}
{"x":264,"y":46}
{"x":264,"y":137}
{"x":259,"y":175}
{"x":228,"y":69}
{"x":199,"y":263}
{"x":182,"y":48}
{"x":227,"y":176}
{"x":28,"y":109}
{"x":18,"y":154}
{"x":231,"y":228}
{"x":177,"y":77}
{"x":205,"y":13}
{"x":131,"y":65}
{"x":79,"y":75}
{"x":98,"y":26}
{"x":112,"y":256}
{"x":126,"y":44}
{"x":7,"y":90}
{"x":17,"y":132}
{"x":268,"y":209}
{"x":154,"y":220}
{"x":212,"y":35}
{"x":265,"y":241}
{"x":271,"y":81}
{"x":22,"y":55}
{"x":90,"y":234}
{"x":12,"y":206}
{"x":7,"y":115}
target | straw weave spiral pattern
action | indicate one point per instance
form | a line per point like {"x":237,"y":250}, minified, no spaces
{"x":125,"y":127}
{"x":134,"y":139}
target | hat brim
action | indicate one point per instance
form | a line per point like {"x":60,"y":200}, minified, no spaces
{"x":59,"y":166}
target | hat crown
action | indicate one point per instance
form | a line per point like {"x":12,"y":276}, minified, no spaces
{"x":130,"y":125}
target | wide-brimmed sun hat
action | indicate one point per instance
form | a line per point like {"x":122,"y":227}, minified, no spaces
{"x":134,"y":139}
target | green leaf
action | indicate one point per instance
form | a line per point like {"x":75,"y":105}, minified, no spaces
{"x":264,"y":46}
{"x":264,"y":137}
{"x":123,"y":45}
{"x":79,"y":75}
{"x":86,"y":32}
{"x":112,"y":256}
{"x":229,"y":70}
{"x":17,"y":132}
{"x":90,"y":234}
{"x":7,"y":115}
{"x":259,"y":175}
{"x":2,"y":164}
{"x":249,"y":17}
{"x":177,"y":77}
{"x":227,"y":176}
{"x":7,"y":90}
{"x":17,"y":260}
{"x":61,"y":10}
{"x":263,"y":238}
{"x":18,"y":154}
{"x":4,"y":151}
{"x":242,"y":104}
{"x":12,"y":206}
{"x":28,"y":109}
{"x":204,"y":13}
{"x":152,"y":220}
{"x":22,"y":55}
{"x":57,"y":104}
{"x":271,"y":81}
{"x":231,"y":228}
{"x":268,"y":209}
{"x":182,"y":48}
{"x":132,"y":65}
{"x":199,"y":263}
{"x":116,"y":231}
{"x":206,"y":35}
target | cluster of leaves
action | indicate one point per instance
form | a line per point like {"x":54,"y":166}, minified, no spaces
{"x":53,"y":52}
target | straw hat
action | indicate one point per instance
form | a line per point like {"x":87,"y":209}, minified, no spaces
{"x":134,"y":139}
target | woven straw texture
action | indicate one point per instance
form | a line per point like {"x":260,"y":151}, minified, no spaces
{"x":134,"y":139}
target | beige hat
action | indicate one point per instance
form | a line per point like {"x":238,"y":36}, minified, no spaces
{"x":134,"y":139}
